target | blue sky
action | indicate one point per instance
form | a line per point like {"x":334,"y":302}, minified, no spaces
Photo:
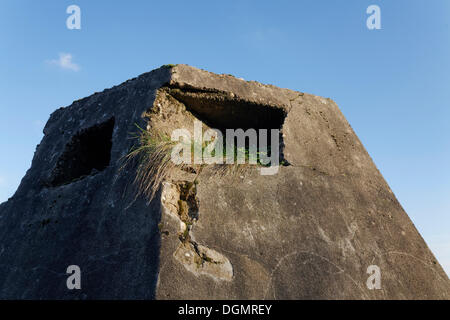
{"x":391,"y":84}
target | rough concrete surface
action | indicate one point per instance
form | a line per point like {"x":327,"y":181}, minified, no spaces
{"x":308,"y":232}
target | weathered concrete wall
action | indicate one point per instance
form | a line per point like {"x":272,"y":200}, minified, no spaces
{"x":91,"y":222}
{"x":308,"y":232}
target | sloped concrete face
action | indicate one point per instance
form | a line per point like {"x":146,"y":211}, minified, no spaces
{"x":72,"y":209}
{"x":310,"y":231}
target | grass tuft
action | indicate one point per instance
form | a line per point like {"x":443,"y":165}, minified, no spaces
{"x":152,"y":158}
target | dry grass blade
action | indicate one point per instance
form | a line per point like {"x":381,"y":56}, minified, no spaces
{"x":152,"y":158}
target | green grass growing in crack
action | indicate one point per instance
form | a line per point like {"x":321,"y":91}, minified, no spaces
{"x":245,"y":153}
{"x":152,"y":158}
{"x":240,"y":168}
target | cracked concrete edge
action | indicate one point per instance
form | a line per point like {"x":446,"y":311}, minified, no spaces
{"x":195,"y":258}
{"x":252,"y":91}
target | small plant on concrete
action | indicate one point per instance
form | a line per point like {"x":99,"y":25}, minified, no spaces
{"x":152,"y":158}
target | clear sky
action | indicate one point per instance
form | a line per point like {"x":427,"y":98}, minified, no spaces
{"x":391,"y":84}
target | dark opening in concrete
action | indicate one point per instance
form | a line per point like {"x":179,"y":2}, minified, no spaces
{"x":223,"y":111}
{"x":88,"y":152}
